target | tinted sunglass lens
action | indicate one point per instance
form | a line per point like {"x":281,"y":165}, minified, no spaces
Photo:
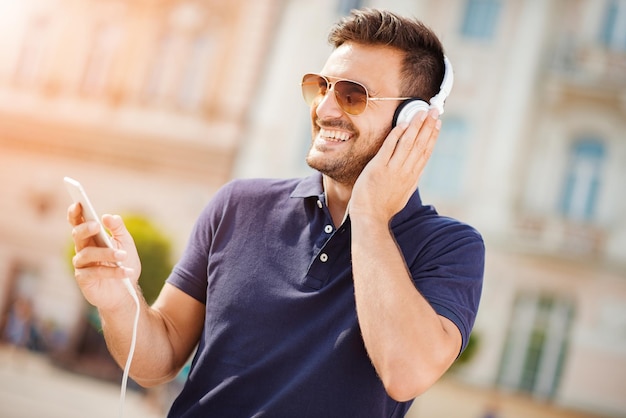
{"x":351,"y":97}
{"x":314,"y":87}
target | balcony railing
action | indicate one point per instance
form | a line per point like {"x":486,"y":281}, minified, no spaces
{"x":588,"y":63}
{"x":561,"y":237}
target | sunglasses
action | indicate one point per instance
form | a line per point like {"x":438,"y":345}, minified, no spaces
{"x":351,"y":96}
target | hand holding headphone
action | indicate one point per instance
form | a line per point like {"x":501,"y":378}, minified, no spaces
{"x":410,"y":107}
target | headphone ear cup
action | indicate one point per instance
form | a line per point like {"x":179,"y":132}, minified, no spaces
{"x":407,"y":110}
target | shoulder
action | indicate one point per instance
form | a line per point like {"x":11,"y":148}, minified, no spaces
{"x":424,"y":224}
{"x":454,"y":240}
{"x":258,"y":187}
{"x":421,"y":223}
{"x":428,"y":237}
{"x":247,"y":195}
{"x":450,"y":229}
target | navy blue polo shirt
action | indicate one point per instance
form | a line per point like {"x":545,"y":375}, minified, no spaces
{"x":281,"y":336}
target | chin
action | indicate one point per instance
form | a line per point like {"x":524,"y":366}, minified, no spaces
{"x":314,"y":162}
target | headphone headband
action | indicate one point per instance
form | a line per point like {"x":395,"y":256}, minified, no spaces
{"x":438,"y":100}
{"x":409,"y":108}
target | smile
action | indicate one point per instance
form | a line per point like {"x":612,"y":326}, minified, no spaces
{"x":333,"y":135}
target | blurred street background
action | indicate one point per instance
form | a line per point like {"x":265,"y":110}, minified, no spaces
{"x":31,"y":386}
{"x":153,"y":105}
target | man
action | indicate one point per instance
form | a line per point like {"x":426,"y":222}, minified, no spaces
{"x":339,"y":294}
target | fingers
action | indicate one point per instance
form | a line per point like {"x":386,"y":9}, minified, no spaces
{"x":100,"y":271}
{"x":427,"y":136}
{"x":387,"y":149}
{"x":98,"y":256}
{"x":82,"y":232}
{"x":416,"y":144}
{"x":75,"y":214}
{"x":90,"y":274}
{"x":115,"y":225}
{"x":96,"y":263}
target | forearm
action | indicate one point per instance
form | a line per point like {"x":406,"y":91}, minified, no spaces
{"x":408,"y":343}
{"x":167,"y":332}
{"x":154,"y":360}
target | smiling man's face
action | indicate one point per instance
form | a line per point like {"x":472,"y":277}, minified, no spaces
{"x":343,"y":144}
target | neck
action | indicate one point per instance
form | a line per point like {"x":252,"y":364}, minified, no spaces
{"x":337,"y":199}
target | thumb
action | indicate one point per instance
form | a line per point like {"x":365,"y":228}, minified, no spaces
{"x":116,"y":226}
{"x":123,"y":240}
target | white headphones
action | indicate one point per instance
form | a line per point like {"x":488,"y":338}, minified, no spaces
{"x":409,"y":108}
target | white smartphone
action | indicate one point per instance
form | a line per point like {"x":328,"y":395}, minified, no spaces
{"x":78,"y":194}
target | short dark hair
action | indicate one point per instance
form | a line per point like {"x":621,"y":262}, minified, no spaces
{"x":422,"y":68}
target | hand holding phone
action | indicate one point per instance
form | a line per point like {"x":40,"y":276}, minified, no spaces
{"x":79,"y":195}
{"x":102,"y":239}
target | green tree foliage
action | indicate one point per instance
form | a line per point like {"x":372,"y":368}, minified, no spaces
{"x":154,"y":250}
{"x":473,"y":344}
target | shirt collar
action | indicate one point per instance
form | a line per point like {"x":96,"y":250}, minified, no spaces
{"x":312,"y":186}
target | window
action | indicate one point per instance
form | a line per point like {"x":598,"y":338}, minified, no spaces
{"x":613,"y":29}
{"x":195,"y":73}
{"x":444,"y":173}
{"x":164,"y":67}
{"x":536,"y":344}
{"x":583,"y":179}
{"x":481,"y":18}
{"x":100,"y":58}
{"x":33,"y":51}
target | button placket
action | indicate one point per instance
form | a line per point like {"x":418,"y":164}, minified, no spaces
{"x":331,"y":257}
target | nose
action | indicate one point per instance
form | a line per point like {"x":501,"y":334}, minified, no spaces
{"x":328,"y":107}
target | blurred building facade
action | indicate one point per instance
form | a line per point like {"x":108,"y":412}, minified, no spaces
{"x":154,"y":104}
{"x":533,"y":153}
{"x":142,"y":101}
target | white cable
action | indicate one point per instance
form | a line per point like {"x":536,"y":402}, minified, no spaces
{"x":131,"y":351}
{"x":104,"y":240}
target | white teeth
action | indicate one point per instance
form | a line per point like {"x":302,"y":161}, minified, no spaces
{"x":334,"y":135}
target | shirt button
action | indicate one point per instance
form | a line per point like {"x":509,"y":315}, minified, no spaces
{"x":328,"y":229}
{"x":319,"y":204}
{"x":324,"y":257}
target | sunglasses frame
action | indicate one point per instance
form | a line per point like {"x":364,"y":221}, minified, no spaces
{"x":331,"y":86}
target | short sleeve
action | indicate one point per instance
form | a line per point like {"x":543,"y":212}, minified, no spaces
{"x":449,"y":273}
{"x":190,"y":272}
